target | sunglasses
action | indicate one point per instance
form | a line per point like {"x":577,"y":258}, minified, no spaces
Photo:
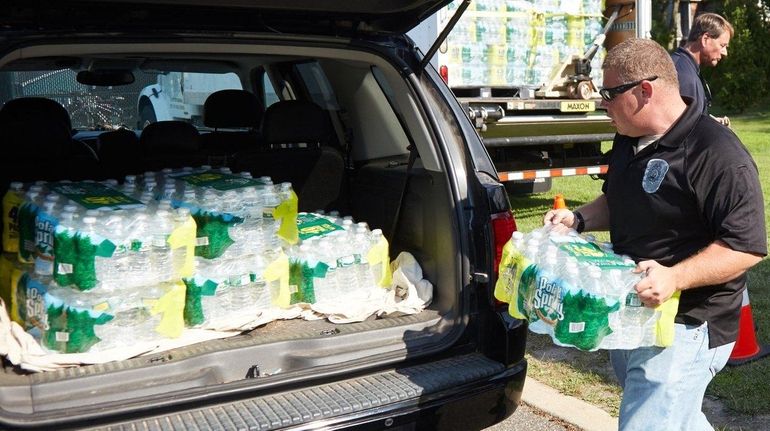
{"x":610,"y":93}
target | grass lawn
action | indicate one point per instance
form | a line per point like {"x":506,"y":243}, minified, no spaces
{"x":587,"y":375}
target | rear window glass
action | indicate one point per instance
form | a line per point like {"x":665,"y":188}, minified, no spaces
{"x":152,"y":96}
{"x":318,"y":87}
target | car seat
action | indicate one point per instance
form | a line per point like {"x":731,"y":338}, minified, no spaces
{"x":297,"y":149}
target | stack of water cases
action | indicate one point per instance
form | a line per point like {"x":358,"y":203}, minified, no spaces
{"x":90,"y":266}
{"x":519,"y":42}
{"x":243,"y":225}
{"x":575,"y":290}
{"x":337,"y":258}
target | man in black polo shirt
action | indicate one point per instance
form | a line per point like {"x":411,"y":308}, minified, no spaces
{"x":682,"y":198}
{"x":706,"y":44}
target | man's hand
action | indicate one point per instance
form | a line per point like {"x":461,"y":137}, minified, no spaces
{"x":658,"y":284}
{"x":559,"y":218}
{"x":722,"y":120}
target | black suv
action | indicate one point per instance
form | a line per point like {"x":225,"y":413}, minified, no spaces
{"x":330,"y":96}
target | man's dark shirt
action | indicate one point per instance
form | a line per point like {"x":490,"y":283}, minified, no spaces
{"x":691,"y":83}
{"x":695,"y":185}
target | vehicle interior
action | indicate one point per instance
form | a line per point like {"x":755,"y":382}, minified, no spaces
{"x":336,"y":123}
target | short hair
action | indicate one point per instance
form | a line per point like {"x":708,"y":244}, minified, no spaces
{"x":635,"y":59}
{"x":709,"y":23}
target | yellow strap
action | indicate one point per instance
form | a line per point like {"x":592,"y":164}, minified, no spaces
{"x":664,"y":327}
{"x":504,"y":281}
{"x":378,"y":255}
{"x":185,"y":236}
{"x":286,"y":213}
{"x":11,"y":204}
{"x":512,"y":265}
{"x":278,"y":270}
{"x":171,"y":305}
{"x":6,"y":272}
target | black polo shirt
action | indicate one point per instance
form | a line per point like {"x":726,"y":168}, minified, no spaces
{"x":695,"y":185}
{"x":691,"y":82}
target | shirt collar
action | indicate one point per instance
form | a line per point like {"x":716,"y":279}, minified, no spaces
{"x":690,"y":58}
{"x":682,"y":126}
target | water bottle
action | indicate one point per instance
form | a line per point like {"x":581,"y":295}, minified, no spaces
{"x":262,"y":298}
{"x":65,"y":247}
{"x":115,"y":269}
{"x":374,"y":238}
{"x":638,"y":322}
{"x":239,"y":292}
{"x":325,"y":288}
{"x":179,"y":254}
{"x":162,"y":261}
{"x":270,"y":200}
{"x":140,"y":261}
{"x":45,"y":230}
{"x":346,"y":261}
{"x":252,"y":214}
{"x":517,"y":239}
{"x":361,"y":246}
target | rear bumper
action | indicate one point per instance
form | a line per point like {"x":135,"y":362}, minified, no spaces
{"x":460,"y":393}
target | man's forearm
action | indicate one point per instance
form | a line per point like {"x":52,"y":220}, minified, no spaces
{"x":596,"y":214}
{"x":715,"y":264}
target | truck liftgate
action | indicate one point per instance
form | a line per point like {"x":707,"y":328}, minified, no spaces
{"x":534,"y":140}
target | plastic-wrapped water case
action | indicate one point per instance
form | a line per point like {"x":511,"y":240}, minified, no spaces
{"x":579,"y":292}
{"x":69,"y":321}
{"x":336,"y":258}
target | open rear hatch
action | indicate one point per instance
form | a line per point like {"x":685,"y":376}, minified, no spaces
{"x":273,"y":16}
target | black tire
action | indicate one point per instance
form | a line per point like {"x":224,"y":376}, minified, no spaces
{"x":528,"y":187}
{"x":146,"y":115}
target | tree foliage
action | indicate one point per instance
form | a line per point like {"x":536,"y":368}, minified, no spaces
{"x":742,"y":79}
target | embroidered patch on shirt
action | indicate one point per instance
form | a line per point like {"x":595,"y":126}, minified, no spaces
{"x":654,"y":174}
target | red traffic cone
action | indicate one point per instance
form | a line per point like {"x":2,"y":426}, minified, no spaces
{"x":746,"y":347}
{"x":558,"y":202}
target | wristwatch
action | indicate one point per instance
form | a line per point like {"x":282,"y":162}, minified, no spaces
{"x":581,"y":222}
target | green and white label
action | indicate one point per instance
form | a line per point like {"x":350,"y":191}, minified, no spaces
{"x":218,"y":180}
{"x":310,"y":225}
{"x":95,"y":195}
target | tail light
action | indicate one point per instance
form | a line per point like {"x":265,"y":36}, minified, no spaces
{"x":444,"y":72}
{"x":503,"y":226}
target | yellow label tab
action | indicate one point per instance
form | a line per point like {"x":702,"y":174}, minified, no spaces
{"x":578,"y":106}
{"x":11,"y":203}
{"x":277,"y":271}
{"x":171,"y":307}
{"x":101,"y":307}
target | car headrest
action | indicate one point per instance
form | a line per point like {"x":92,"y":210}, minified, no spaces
{"x":35,"y":127}
{"x":118,"y":144}
{"x":232,"y":109}
{"x":169,"y":137}
{"x":295,"y":121}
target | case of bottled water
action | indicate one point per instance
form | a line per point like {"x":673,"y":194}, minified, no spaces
{"x":71,"y":321}
{"x":337,"y":257}
{"x":576,"y":290}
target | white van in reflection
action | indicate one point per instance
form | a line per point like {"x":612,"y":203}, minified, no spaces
{"x":181,"y":95}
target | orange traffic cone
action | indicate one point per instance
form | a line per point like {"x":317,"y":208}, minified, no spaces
{"x":558,"y":202}
{"x":746,"y":347}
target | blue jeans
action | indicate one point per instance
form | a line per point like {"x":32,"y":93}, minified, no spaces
{"x":663,"y":387}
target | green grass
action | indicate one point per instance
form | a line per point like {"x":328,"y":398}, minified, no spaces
{"x":588,"y":375}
